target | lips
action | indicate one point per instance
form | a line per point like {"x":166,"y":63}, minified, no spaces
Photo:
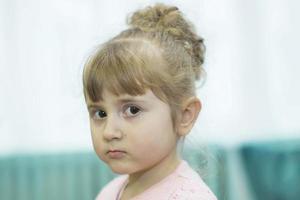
{"x":116,"y":154}
{"x":116,"y":150}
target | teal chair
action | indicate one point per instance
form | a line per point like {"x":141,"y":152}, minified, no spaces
{"x":76,"y":176}
{"x":80,"y":176}
{"x":273,"y":169}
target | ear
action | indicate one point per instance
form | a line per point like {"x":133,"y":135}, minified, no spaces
{"x":188,"y":115}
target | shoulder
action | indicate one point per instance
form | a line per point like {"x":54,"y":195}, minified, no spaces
{"x":110,"y":191}
{"x":190,"y":185}
{"x":192,"y":190}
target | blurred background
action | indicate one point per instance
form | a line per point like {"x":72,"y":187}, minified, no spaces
{"x":248,"y":132}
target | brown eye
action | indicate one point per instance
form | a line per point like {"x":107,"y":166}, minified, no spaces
{"x":100,"y":114}
{"x":132,"y":111}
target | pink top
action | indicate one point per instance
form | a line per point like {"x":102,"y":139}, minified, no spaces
{"x":183,"y":184}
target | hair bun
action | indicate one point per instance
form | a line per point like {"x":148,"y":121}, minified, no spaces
{"x":158,"y":18}
{"x":169,"y":19}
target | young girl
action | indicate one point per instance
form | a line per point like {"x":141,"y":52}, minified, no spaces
{"x":140,"y":93}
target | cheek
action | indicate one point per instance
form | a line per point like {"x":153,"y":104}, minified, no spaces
{"x":95,"y":136}
{"x":97,"y":141}
{"x":96,"y":130}
{"x":150,"y":150}
{"x":153,"y":140}
{"x":160,"y":129}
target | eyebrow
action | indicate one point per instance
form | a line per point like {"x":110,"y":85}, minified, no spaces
{"x":121,"y":101}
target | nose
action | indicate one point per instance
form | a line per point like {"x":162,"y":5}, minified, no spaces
{"x":112,"y":128}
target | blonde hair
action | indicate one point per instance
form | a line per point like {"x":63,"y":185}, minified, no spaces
{"x":159,"y":51}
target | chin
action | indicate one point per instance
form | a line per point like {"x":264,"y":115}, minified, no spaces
{"x":119,"y":168}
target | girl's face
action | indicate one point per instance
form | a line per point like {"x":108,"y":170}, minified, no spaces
{"x":132,"y":133}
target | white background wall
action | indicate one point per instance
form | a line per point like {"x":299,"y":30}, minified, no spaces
{"x":252,"y":90}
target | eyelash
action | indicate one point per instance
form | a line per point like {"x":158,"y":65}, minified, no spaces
{"x":124,"y":110}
